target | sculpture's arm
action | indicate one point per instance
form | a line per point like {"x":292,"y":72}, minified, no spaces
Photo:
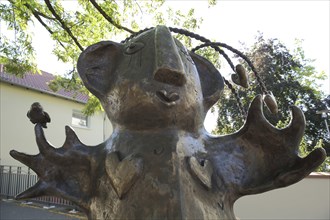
{"x":260,"y":157}
{"x":68,"y":172}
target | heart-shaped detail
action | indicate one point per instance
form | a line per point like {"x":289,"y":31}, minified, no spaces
{"x":203,"y":171}
{"x":271,"y":103}
{"x":240,"y":77}
{"x":123,"y":174}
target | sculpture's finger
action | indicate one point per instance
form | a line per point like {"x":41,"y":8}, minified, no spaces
{"x":71,"y":138}
{"x":45,"y":148}
{"x":22,"y":157}
{"x":302,"y":168}
{"x":255,"y":110}
{"x":256,"y":120}
{"x":311,"y":161}
{"x":295,"y":130}
{"x":35,"y":191}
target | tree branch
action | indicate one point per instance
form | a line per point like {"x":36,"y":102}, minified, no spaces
{"x":42,"y":14}
{"x":37,"y":16}
{"x":109,"y":18}
{"x":47,"y":28}
{"x":38,"y":13}
{"x":58,"y":18}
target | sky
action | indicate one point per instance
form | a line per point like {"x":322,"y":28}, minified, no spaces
{"x":234,"y":21}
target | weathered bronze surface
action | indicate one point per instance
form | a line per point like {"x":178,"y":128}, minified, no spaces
{"x":160,"y":163}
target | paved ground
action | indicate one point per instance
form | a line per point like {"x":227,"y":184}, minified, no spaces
{"x":13,"y":210}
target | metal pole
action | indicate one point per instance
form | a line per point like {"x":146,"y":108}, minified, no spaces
{"x":18,"y":179}
{"x":28,"y":178}
{"x":326,"y":125}
{"x":324,"y":114}
{"x":9,"y":182}
{"x":2,"y":168}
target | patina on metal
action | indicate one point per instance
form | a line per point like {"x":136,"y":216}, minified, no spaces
{"x":159,"y":162}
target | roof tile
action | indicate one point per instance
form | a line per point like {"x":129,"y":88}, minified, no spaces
{"x":40,"y":82}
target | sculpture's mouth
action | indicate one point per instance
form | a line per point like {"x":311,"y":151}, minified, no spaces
{"x":168,"y":99}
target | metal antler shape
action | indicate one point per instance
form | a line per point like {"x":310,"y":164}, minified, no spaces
{"x":60,"y":170}
{"x":260,"y":157}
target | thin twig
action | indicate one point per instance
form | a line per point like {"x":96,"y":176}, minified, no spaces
{"x":139,"y":6}
{"x":58,"y":18}
{"x":38,"y":12}
{"x":43,"y":15}
{"x":36,"y":15}
{"x":47,"y":27}
{"x":108,"y":18}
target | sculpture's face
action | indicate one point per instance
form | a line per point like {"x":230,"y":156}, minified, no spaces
{"x":150,"y":82}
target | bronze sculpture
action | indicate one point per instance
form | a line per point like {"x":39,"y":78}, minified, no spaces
{"x":160,"y":163}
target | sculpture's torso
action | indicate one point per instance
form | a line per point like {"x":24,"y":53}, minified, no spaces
{"x":165,"y":187}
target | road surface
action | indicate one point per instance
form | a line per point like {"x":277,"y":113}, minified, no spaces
{"x":13,"y":210}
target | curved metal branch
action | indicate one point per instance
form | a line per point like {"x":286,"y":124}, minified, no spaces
{"x":59,"y":19}
{"x":215,"y":45}
{"x":108,"y":18}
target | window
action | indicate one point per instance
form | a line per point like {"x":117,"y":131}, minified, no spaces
{"x":79,"y":119}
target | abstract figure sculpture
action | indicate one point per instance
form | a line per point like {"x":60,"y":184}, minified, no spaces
{"x":160,"y":163}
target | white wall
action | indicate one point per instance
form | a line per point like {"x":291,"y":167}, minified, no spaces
{"x":307,"y":199}
{"x":17,"y":132}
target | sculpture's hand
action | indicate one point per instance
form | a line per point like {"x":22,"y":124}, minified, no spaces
{"x":260,"y":157}
{"x":66,"y":172}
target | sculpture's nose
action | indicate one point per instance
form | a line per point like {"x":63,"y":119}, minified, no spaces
{"x":168,"y":63}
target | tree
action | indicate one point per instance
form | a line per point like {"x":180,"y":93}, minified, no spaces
{"x":293,"y":81}
{"x":75,"y":25}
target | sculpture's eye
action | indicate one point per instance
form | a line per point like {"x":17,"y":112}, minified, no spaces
{"x":133,"y":47}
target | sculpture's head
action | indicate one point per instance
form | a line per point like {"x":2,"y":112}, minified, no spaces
{"x":151,"y":81}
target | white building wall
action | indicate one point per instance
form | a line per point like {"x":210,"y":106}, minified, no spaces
{"x":307,"y":199}
{"x":17,"y":132}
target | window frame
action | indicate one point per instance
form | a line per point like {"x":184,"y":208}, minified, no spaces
{"x":77,"y":114}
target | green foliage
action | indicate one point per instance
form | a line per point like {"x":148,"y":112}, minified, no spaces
{"x":211,"y":55}
{"x":16,"y":53}
{"x":292,"y":79}
{"x":70,"y":82}
{"x":93,"y":105}
{"x":212,"y":2}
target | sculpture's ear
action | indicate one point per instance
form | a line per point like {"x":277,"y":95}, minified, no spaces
{"x":210,"y":78}
{"x":97,"y":64}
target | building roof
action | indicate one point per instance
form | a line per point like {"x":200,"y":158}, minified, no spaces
{"x":39,"y":82}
